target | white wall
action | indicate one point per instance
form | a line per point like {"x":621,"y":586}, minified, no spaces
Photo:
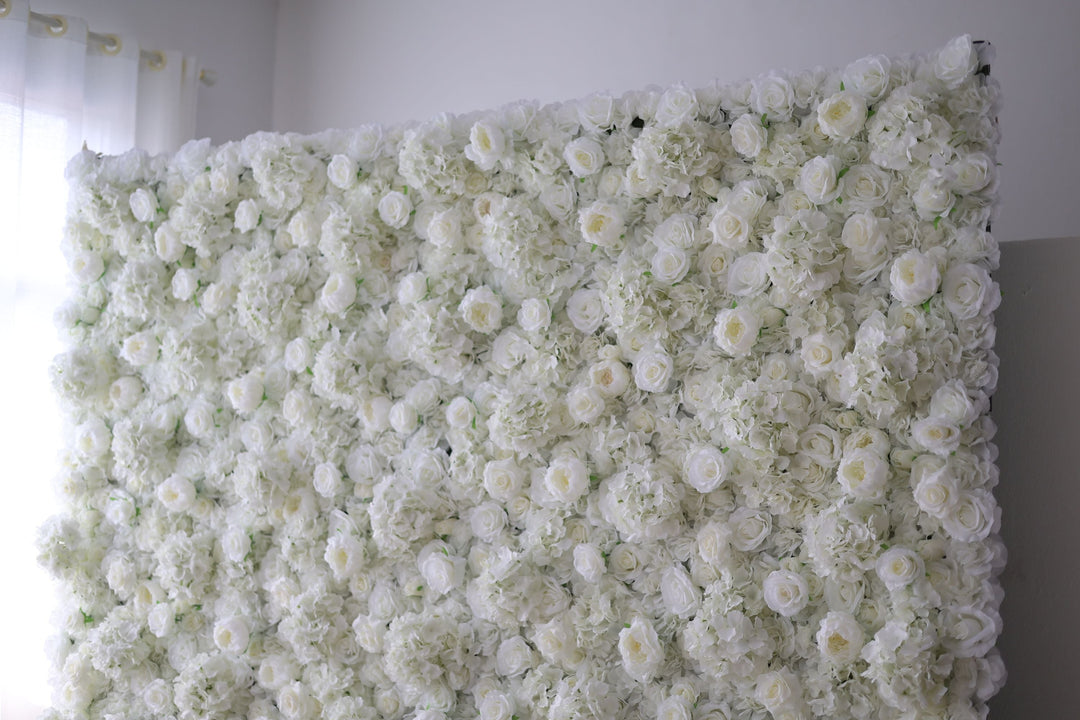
{"x":342,"y":63}
{"x":235,"y":38}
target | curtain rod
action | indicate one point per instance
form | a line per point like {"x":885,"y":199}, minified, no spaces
{"x":111,"y":44}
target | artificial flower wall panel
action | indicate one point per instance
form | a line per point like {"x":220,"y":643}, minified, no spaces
{"x":672,"y":405}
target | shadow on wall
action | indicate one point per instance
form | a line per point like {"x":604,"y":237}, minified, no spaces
{"x":1037,"y":410}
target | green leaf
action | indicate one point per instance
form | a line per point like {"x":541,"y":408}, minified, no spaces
{"x":593,"y":248}
{"x":841,"y":86}
{"x":870,"y":114}
{"x":884,"y":546}
{"x":647,"y":273}
{"x":724,"y":449}
{"x":734,"y":304}
{"x":842,"y":173}
{"x":444,"y":552}
{"x":309,"y":371}
{"x":839,"y":201}
{"x":86,"y":617}
{"x":626,"y":625}
{"x":764,"y":120}
{"x":474,"y":422}
{"x":926,"y":306}
{"x":937,"y":221}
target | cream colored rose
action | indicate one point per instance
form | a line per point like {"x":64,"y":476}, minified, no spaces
{"x":785,"y":592}
{"x":609,"y":377}
{"x":584,"y":156}
{"x":533,"y":315}
{"x":653,"y":370}
{"x":481,"y":309}
{"x":670,"y":264}
{"x":749,"y":528}
{"x":231,"y":635}
{"x":899,"y":567}
{"x":706,"y":468}
{"x":956,"y":61}
{"x":140,"y":348}
{"x":736,"y":330}
{"x":969,"y":292}
{"x":585,"y":310}
{"x":842,"y":115}
{"x":640,"y":650}
{"x":601,"y":223}
{"x":177,"y":494}
{"x":487,"y":144}
{"x":566,"y":479}
{"x":341,"y":171}
{"x":819,"y":180}
{"x":395,"y":209}
{"x":840,"y":638}
{"x":772,"y":96}
{"x":749,"y":136}
{"x":585,"y":404}
{"x":589,"y":562}
{"x":339,"y":293}
{"x":863,"y":474}
{"x":914,"y":278}
{"x":681,"y":596}
{"x":869,"y":76}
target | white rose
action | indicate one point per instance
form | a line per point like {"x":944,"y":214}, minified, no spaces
{"x":298,"y":408}
{"x":653,"y":370}
{"x":566,"y":479}
{"x":403,"y":418}
{"x":933,"y":198}
{"x":842,"y":115}
{"x":441,"y":572}
{"x":869,"y":76}
{"x":972,"y":173}
{"x":294,"y":701}
{"x":821,"y":352}
{"x":970,"y":631}
{"x":936,"y":490}
{"x":863,"y":474}
{"x":375,"y":413}
{"x":140,"y":348}
{"x":589,"y":562}
{"x":554,"y":641}
{"x":246,"y":217}
{"x":168,"y":245}
{"x":231,"y":635}
{"x":706,"y":469}
{"x":840,"y":638}
{"x":369,"y":633}
{"x":93,"y":438}
{"x":444,"y":228}
{"x":899,"y":567}
{"x":585,"y":310}
{"x":610,"y":377}
{"x":487,"y":521}
{"x":866,"y":187}
{"x":678,"y":105}
{"x":158,"y":696}
{"x":864,"y":236}
{"x":730,"y":228}
{"x":487,"y":144}
{"x":968,"y":291}
{"x":584,"y":156}
{"x":772,"y":96}
{"x":87,"y":266}
{"x":245,"y":393}
{"x":144,"y":205}
{"x":177,"y":494}
{"x":534,"y":315}
{"x":951,"y":403}
{"x":819,"y":179}
{"x":748,"y":275}
{"x":779,"y":689}
{"x":341,"y":171}
{"x":601,"y":223}
{"x":956,"y":61}
{"x":503,"y":479}
{"x":670,"y":264}
{"x":513,"y":657}
{"x":585,"y":404}
{"x":736,"y":330}
{"x":640,"y":650}
{"x":395,"y":209}
{"x":681,"y":596}
{"x":677,"y":231}
{"x":785,"y":592}
{"x":327,"y":479}
{"x":276,"y":671}
{"x":482,"y":309}
{"x":236,"y":544}
{"x":185,"y":282}
{"x":460,"y":413}
{"x":161,"y":620}
{"x":496,"y":706}
{"x":125,"y":392}
{"x":749,"y":528}
{"x":972,"y":518}
{"x":914,"y":278}
{"x":339,"y":293}
{"x":298,"y":355}
{"x":303,"y":228}
{"x":596,"y":112}
{"x":412,"y":288}
{"x":748,"y":136}
{"x":200,"y":420}
{"x":675,"y":707}
{"x":712,"y":543}
{"x":938,"y":435}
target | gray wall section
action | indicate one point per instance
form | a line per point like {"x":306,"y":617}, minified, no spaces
{"x":1037,"y":410}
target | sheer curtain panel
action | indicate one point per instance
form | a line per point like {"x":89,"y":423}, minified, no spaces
{"x":63,"y":83}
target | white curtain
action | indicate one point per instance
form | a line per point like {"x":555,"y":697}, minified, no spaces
{"x":60,"y":86}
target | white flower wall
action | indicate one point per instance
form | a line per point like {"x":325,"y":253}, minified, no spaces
{"x":669,"y":405}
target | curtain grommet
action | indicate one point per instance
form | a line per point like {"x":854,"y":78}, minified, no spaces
{"x":112,"y":45}
{"x":156,"y":60}
{"x":56,"y":25}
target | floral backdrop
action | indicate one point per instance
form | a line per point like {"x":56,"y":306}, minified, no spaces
{"x":670,"y":405}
